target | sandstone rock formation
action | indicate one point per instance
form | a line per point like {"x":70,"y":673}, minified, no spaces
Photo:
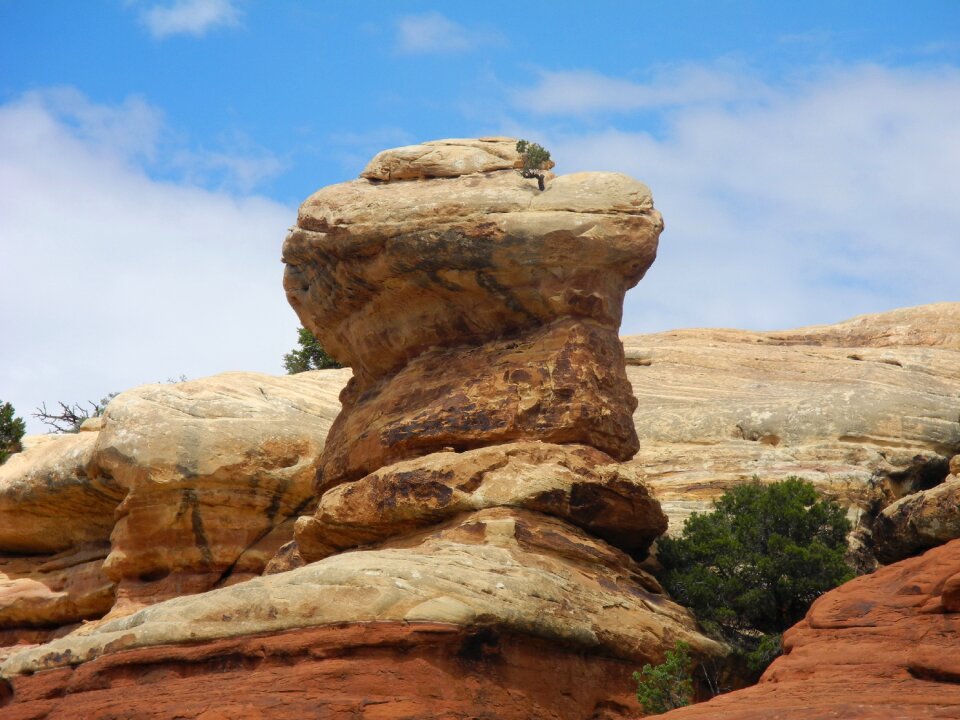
{"x":920,"y":520}
{"x":177,"y":489}
{"x":866,"y":409}
{"x":210,"y":468}
{"x":882,"y":646}
{"x":473,"y":468}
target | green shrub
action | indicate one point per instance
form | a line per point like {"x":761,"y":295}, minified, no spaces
{"x":668,"y":685}
{"x":12,"y":429}
{"x":751,"y":568}
{"x":535,"y":158}
{"x":309,"y":356}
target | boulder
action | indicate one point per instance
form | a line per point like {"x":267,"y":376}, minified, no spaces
{"x":381,"y":272}
{"x":444,"y":158}
{"x":920,"y":520}
{"x":211,"y":468}
{"x":54,"y":498}
{"x":563,"y":383}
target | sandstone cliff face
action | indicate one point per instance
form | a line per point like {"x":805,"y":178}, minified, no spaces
{"x":881,"y":646}
{"x":867,"y":409}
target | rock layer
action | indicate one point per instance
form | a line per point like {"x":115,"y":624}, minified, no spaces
{"x":411,"y":670}
{"x":866,"y":409}
{"x":881,"y":646}
{"x":577,"y":483}
{"x":564,"y":383}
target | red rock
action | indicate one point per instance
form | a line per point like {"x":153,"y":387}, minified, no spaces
{"x":375,"y":671}
{"x":880,"y":646}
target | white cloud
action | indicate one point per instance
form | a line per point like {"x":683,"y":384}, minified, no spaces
{"x":833,"y":196}
{"x":435,"y":33}
{"x":584,"y":92}
{"x":189,"y":17}
{"x":109,"y":278}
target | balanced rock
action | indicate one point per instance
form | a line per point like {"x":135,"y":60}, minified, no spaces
{"x":881,"y":646}
{"x":474,"y":514}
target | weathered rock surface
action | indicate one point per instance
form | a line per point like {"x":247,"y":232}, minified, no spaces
{"x":48,"y":591}
{"x":881,"y":646}
{"x":345,"y":672}
{"x":577,"y":483}
{"x":866,"y":409}
{"x":564,"y":383}
{"x":511,"y":570}
{"x":444,"y":158}
{"x":177,"y":489}
{"x":211,"y":467}
{"x":53,"y":498}
{"x":381,"y":272}
{"x":920,"y":520}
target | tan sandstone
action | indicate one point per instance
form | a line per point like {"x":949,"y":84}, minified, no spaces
{"x":576,"y":483}
{"x":211,"y":467}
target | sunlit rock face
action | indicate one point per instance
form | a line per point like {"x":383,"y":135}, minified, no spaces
{"x":867,"y":409}
{"x":177,"y":489}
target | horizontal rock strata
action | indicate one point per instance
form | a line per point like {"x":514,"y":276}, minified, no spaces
{"x":881,"y":646}
{"x":577,"y":483}
{"x":512,"y":570}
{"x":412,"y":670}
{"x":866,"y":409}
{"x":564,"y":383}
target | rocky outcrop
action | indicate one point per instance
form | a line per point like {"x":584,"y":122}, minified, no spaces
{"x":866,"y":409}
{"x":210,"y":468}
{"x":882,"y":646}
{"x":175,"y":490}
{"x":577,"y":483}
{"x":53,"y":497}
{"x":474,"y":510}
{"x":920,"y":520}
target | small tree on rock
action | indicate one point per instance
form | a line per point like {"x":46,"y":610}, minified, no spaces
{"x":668,"y":685}
{"x":309,"y":356}
{"x":12,"y":429}
{"x":535,"y":159}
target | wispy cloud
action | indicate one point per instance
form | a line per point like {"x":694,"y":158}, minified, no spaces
{"x":117,"y":278}
{"x":189,"y":17}
{"x":824,"y":198}
{"x":584,"y":92}
{"x":435,"y":33}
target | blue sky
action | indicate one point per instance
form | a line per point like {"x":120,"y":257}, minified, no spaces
{"x":153,"y":153}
